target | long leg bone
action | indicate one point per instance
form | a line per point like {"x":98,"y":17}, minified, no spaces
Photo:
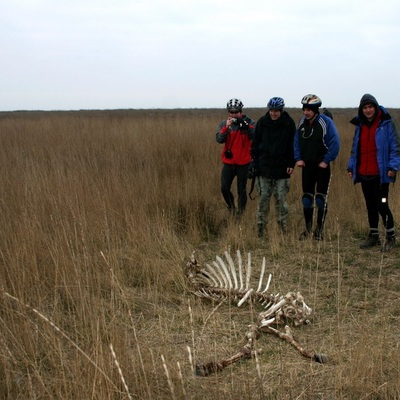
{"x":288,"y":337}
{"x":246,"y":352}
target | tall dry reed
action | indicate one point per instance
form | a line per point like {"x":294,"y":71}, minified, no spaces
{"x":101,"y":210}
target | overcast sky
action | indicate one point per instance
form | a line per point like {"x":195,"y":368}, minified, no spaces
{"x":95,"y":54}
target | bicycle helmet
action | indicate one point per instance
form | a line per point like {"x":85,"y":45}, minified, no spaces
{"x":311,"y":100}
{"x":276,"y":103}
{"x":234,"y":105}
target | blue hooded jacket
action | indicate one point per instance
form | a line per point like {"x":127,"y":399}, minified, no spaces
{"x":387,"y":138}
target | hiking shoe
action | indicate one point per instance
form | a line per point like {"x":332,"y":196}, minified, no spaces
{"x":304,"y":235}
{"x":283,"y":228}
{"x":317,"y":235}
{"x":371,"y":242}
{"x":390,"y":242}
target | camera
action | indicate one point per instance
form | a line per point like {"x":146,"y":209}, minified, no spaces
{"x":243,"y":124}
{"x":228,"y":153}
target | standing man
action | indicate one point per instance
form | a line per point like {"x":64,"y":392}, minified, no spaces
{"x":374,"y":161}
{"x":316,"y":145}
{"x":236,"y":133}
{"x":273,"y":162}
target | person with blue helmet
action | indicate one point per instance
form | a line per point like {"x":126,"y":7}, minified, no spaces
{"x":316,"y":145}
{"x":374,"y":162}
{"x":273,"y":162}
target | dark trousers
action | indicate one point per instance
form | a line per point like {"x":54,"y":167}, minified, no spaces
{"x":228,"y":174}
{"x":376,"y":197}
{"x":315,"y":180}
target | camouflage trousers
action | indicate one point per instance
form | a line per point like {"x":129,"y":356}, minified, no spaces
{"x":279,"y":188}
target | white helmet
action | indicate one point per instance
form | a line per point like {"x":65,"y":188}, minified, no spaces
{"x":234,"y":105}
{"x":311,"y":100}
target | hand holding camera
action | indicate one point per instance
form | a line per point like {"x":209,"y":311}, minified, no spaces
{"x":230,"y":121}
{"x":243,"y":124}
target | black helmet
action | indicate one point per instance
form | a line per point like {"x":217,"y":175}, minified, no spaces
{"x":234,"y":105}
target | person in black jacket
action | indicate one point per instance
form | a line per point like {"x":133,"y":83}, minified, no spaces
{"x":273,"y":162}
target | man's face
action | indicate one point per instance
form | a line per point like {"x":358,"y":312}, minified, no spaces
{"x":369,"y":111}
{"x":275,"y":114}
{"x":235,"y":114}
{"x":308,"y":113}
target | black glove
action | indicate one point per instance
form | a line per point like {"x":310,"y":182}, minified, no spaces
{"x":243,"y":125}
{"x":253,"y":171}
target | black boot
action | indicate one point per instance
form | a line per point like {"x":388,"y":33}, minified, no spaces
{"x":373,"y":240}
{"x":390,"y":242}
{"x":308,"y":217}
{"x":320,"y":224}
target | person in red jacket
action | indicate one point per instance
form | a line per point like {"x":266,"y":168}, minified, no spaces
{"x":236,"y":133}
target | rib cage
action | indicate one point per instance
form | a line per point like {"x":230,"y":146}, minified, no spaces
{"x":229,"y":281}
{"x":225,"y":280}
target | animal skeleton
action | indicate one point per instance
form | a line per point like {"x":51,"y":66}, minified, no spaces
{"x":226,"y":281}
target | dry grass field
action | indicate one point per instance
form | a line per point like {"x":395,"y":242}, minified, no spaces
{"x":101,"y":210}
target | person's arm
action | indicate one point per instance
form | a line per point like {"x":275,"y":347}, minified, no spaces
{"x":332,"y":142}
{"x":394,"y":149}
{"x":252,"y":128}
{"x":222,"y":133}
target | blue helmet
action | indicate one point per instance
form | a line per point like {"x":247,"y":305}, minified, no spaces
{"x":276,"y":103}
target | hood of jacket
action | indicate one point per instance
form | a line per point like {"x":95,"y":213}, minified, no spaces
{"x":367,"y":99}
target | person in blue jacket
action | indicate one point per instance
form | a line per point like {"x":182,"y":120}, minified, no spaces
{"x":316,"y":145}
{"x":374,"y":161}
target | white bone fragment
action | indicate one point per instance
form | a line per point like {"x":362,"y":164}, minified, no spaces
{"x":274,"y":308}
{"x":267,"y":322}
{"x":221,"y":273}
{"x":248,"y":272}
{"x":268,"y":283}
{"x":213,"y":272}
{"x":261,"y":275}
{"x":209,"y":276}
{"x":266,"y":305}
{"x":233,"y":269}
{"x":225,"y":269}
{"x":239,"y":257}
{"x":245,"y":297}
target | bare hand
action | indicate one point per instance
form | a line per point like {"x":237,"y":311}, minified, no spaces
{"x":229,"y":121}
{"x":301,"y":164}
{"x":322,"y":164}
